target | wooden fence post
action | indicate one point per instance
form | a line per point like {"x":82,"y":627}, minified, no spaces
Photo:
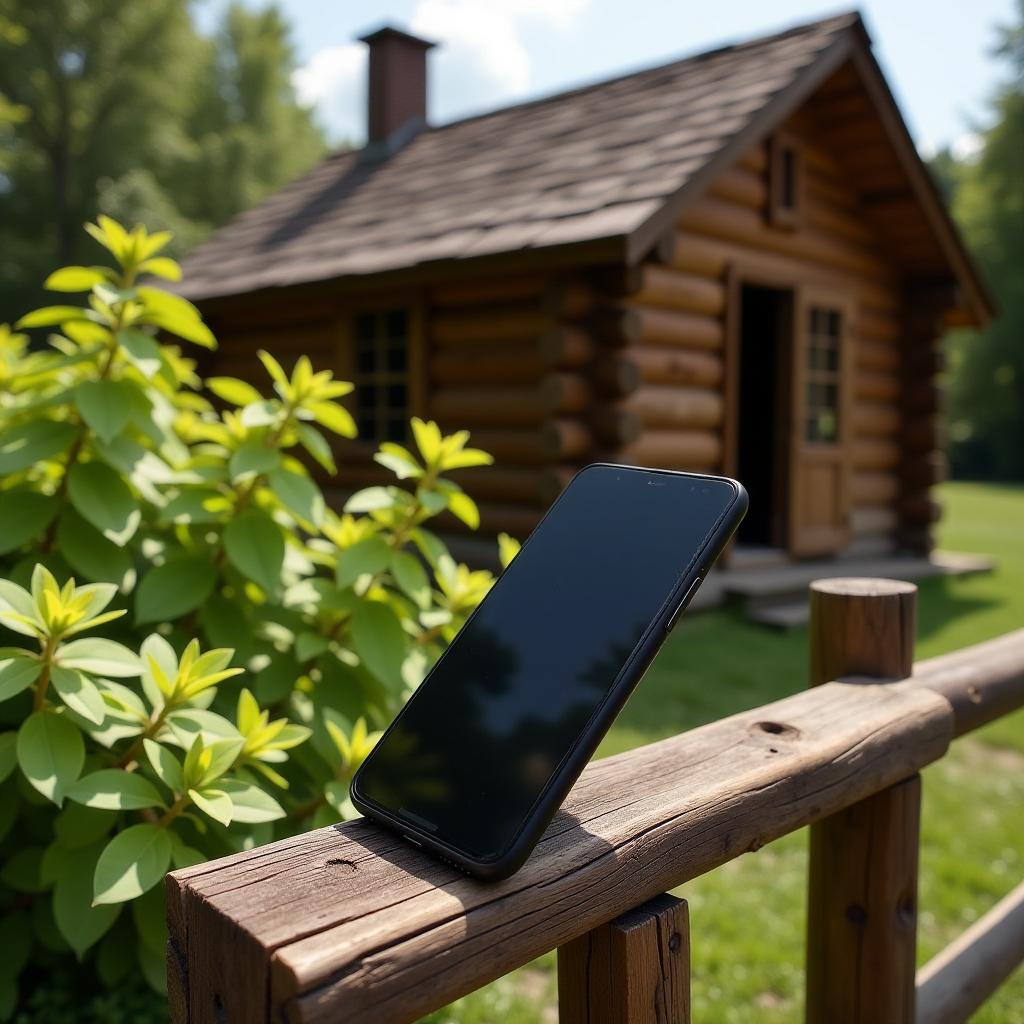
{"x":633,"y":970}
{"x":862,"y":903}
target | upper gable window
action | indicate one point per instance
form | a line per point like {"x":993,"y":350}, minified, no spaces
{"x":382,"y":374}
{"x":785,"y":182}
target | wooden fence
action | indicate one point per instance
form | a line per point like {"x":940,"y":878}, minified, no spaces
{"x":349,"y":924}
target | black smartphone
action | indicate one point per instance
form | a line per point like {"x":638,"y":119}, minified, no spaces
{"x":486,"y":750}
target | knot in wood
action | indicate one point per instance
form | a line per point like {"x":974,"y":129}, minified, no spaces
{"x":789,"y":732}
{"x":674,"y":942}
{"x":340,"y":862}
{"x":856,"y":914}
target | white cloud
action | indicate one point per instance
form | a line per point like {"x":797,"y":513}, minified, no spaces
{"x":482,"y":58}
{"x":333,"y":81}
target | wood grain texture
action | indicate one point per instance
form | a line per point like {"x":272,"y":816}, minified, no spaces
{"x":862,"y":884}
{"x":955,"y":982}
{"x":352,"y":917}
{"x":632,"y":970}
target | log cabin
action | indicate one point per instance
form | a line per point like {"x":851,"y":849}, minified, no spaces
{"x":736,"y":262}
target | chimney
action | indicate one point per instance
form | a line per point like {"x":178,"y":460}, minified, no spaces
{"x":397,"y":93}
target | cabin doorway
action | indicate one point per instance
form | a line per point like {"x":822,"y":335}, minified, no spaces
{"x":762,"y":410}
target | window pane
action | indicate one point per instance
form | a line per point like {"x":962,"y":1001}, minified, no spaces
{"x":397,"y":327}
{"x":396,"y":358}
{"x":396,"y":428}
{"x":366,"y":327}
{"x":396,"y":397}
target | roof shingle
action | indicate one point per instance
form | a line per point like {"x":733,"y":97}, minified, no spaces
{"x":584,"y":165}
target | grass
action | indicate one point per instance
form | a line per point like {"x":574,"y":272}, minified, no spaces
{"x":747,"y":918}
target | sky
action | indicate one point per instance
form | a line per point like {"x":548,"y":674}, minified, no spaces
{"x":935,"y":53}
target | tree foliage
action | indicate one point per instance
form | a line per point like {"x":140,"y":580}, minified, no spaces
{"x":196,"y":652}
{"x":986,"y":379}
{"x":135,"y":113}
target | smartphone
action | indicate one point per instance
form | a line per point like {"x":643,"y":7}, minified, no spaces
{"x":485,"y":751}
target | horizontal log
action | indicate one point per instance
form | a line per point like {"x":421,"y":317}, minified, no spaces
{"x":982,"y":683}
{"x":739,"y":185}
{"x":512,"y":484}
{"x":616,"y":425}
{"x":874,"y":488}
{"x":919,"y":510}
{"x":735,"y":223}
{"x":566,"y":392}
{"x":567,"y":345}
{"x":616,"y":374}
{"x":873,"y":519}
{"x":676,"y":366}
{"x":876,"y":386}
{"x":351,"y":921}
{"x":667,"y":288}
{"x":876,"y":419}
{"x":874,"y":327}
{"x":875,"y":454}
{"x":922,"y":434}
{"x":648,"y":326}
{"x":674,"y":449}
{"x":515,"y":520}
{"x":518,"y":364}
{"x":956,"y":982}
{"x":837,"y":220}
{"x":466,"y":329}
{"x":922,"y":470}
{"x":874,"y":355}
{"x":523,"y":447}
{"x":488,"y":407}
{"x":469,"y":293}
{"x":566,"y":439}
{"x":923,"y":397}
{"x":661,"y":406}
{"x":570,"y":299}
{"x":755,"y":159}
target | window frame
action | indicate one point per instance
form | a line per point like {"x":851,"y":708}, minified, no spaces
{"x":785,"y":181}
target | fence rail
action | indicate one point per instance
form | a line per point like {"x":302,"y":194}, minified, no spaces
{"x":349,"y":923}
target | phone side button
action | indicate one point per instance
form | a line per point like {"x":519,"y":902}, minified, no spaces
{"x":415,"y":842}
{"x":682,"y":604}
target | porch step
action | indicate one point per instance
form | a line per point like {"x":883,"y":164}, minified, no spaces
{"x":777,"y":596}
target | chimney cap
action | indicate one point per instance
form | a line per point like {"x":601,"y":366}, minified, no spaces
{"x":388,"y":32}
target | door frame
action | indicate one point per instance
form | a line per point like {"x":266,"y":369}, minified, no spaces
{"x":740,"y":273}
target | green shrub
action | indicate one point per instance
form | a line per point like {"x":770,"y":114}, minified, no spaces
{"x":129,"y":742}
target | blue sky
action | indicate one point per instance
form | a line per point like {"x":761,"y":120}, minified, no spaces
{"x":936,"y":53}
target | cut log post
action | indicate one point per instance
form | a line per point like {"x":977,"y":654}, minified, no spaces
{"x":862,"y":905}
{"x":632,"y":970}
{"x":646,"y":326}
{"x":566,"y":345}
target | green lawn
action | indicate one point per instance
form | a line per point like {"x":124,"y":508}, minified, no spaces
{"x":747,"y":917}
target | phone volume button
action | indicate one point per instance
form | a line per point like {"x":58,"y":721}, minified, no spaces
{"x":683,"y":602}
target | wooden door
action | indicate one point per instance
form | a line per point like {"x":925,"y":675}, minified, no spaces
{"x":819,"y":482}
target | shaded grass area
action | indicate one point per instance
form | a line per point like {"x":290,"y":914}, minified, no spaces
{"x":747,"y":918}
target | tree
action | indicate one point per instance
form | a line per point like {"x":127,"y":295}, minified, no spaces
{"x":137,"y":115}
{"x":987,"y":367}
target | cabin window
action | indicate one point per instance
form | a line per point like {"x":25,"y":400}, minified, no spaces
{"x":821,"y":400}
{"x":785,"y":183}
{"x":382,"y":374}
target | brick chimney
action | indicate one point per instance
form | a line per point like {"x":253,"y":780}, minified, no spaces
{"x":397,"y":93}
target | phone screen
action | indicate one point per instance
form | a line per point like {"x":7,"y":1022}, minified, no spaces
{"x":480,"y":739}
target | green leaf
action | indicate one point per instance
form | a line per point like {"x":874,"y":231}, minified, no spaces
{"x":132,"y":863}
{"x":298,"y":494}
{"x":508,"y":548}
{"x":187,"y":723}
{"x":50,"y":753}
{"x":255,"y":547}
{"x":17,"y":672}
{"x":464,"y":507}
{"x":317,"y":445}
{"x":23,"y":871}
{"x":77,"y":825}
{"x":91,"y":554}
{"x":107,"y":406}
{"x":466,"y":458}
{"x":214,"y":802}
{"x":79,"y":693}
{"x":142,"y":351}
{"x":367,"y":556}
{"x":224,"y":753}
{"x":174,"y":589}
{"x":161,"y":266}
{"x":113,"y":789}
{"x":75,"y":279}
{"x":175,"y":314}
{"x":23,"y":515}
{"x":237,"y":392}
{"x":411,"y":577}
{"x":379,"y":640}
{"x":29,"y":443}
{"x":49,"y":316}
{"x":100,"y":657}
{"x":428,"y":439}
{"x":402,"y":468}
{"x":334,"y":417}
{"x":104,"y":499}
{"x":8,"y":754}
{"x":253,"y":458}
{"x":182,"y":855}
{"x":370,"y":499}
{"x":166,"y":765}
{"x":81,"y":923}
{"x":251,"y":805}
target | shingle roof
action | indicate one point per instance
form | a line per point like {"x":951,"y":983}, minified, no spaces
{"x":588,"y":164}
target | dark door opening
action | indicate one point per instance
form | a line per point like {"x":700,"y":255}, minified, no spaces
{"x":766,"y":316}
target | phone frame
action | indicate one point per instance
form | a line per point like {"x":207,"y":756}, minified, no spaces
{"x":553,"y":795}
